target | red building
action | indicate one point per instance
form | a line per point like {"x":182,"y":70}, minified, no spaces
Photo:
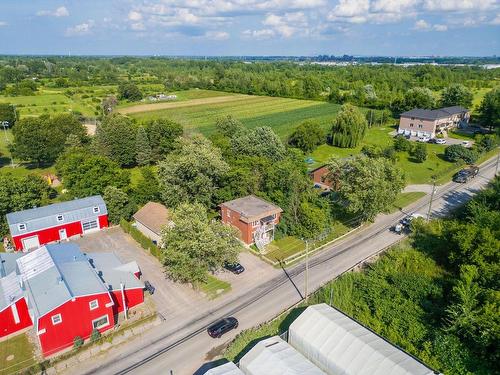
{"x":14,"y":316}
{"x":319,"y":177}
{"x":32,"y":228}
{"x":254,"y":217}
{"x":66,"y":294}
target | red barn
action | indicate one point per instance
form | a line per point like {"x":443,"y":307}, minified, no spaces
{"x":38,"y":226}
{"x":254,"y":217}
{"x":67,"y":294}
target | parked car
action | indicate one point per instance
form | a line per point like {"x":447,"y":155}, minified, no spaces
{"x":222,"y":326}
{"x":404,"y":225}
{"x":235,"y":268}
{"x":440,"y":141}
{"x":466,"y":143}
{"x":423,"y":139}
{"x":150,"y":288}
{"x":466,"y":174}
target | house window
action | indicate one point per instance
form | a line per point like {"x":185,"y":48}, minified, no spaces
{"x":413,"y":118}
{"x":60,"y":218}
{"x":420,"y":126}
{"x":96,"y":209}
{"x":56,"y":319}
{"x":255,"y":223}
{"x":21,"y":226}
{"x":94,"y":304}
{"x":411,"y":125}
{"x":101,"y":322}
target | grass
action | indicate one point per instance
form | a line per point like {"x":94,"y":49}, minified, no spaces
{"x":22,"y":350}
{"x":405,"y":199}
{"x":214,"y":287}
{"x":285,"y":247}
{"x":457,"y":134}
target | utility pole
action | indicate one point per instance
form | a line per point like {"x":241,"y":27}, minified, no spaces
{"x":306,"y":297}
{"x":432,"y":197}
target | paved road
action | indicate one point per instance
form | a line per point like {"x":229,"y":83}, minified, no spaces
{"x":185,"y":349}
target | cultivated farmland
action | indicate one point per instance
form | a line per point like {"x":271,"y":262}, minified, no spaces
{"x":279,"y":113}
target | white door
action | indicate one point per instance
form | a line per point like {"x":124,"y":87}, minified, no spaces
{"x":30,"y":243}
{"x":62,"y":234}
{"x":90,"y":226}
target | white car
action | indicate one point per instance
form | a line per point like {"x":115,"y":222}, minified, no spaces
{"x":423,"y":139}
{"x":466,"y":143}
{"x":440,"y":141}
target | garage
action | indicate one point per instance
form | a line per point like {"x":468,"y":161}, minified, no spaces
{"x":31,"y":243}
{"x":90,"y":226}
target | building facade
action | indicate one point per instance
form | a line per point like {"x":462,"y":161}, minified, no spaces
{"x":428,"y":123}
{"x":150,"y":220}
{"x":319,"y":177}
{"x":254,"y":217}
{"x":32,"y":228}
{"x":65,"y":294}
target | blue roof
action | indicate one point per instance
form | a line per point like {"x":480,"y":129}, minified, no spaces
{"x":45,"y":217}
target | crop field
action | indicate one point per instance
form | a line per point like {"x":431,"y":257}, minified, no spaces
{"x":279,"y":113}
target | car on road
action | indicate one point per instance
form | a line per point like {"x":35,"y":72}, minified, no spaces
{"x":465,"y":143}
{"x":150,"y":288}
{"x":404,"y":225}
{"x":235,"y":268}
{"x":440,"y":141}
{"x":217,"y":329}
{"x":466,"y":174}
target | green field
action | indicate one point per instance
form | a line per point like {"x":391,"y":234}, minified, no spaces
{"x":16,"y":353}
{"x":279,"y":113}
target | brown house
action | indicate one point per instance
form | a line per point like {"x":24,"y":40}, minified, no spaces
{"x":320,"y":177}
{"x":150,"y":219}
{"x":254,"y":217}
{"x":428,"y":123}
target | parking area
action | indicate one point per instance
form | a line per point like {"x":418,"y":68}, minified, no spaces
{"x":175,"y":301}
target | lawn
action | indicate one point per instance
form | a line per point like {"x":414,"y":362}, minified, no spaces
{"x":285,"y":247}
{"x":405,"y":199}
{"x":16,"y":353}
{"x":214,"y":287}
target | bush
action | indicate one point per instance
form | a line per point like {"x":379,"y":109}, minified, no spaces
{"x":401,"y":143}
{"x":486,"y":143}
{"x":140,"y":238}
{"x":95,"y":335}
{"x":419,"y":152}
{"x":456,"y":153}
{"x":77,"y":342}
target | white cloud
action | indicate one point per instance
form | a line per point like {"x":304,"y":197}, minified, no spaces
{"x":458,"y":5}
{"x":217,"y":35}
{"x":259,"y":34}
{"x":496,"y":20}
{"x":134,"y":16}
{"x":81,"y":29}
{"x":439,"y":27}
{"x":422,"y":25}
{"x":3,"y":23}
{"x":137,"y":26}
{"x":62,"y":11}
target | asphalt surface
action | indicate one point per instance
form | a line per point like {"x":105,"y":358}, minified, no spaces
{"x":187,"y":349}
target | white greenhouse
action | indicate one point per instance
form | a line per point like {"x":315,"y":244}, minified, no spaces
{"x":226,"y":369}
{"x":273,"y":356}
{"x":340,"y":346}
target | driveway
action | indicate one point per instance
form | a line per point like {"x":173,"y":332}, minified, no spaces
{"x":176,"y":302}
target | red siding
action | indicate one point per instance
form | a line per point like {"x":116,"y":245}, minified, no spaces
{"x":52,"y":234}
{"x":133,"y":297}
{"x":76,"y":321}
{"x":7,"y":324}
{"x":319,"y":176}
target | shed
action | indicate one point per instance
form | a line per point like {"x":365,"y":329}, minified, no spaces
{"x":339,"y":345}
{"x":273,"y":356}
{"x":150,"y":219}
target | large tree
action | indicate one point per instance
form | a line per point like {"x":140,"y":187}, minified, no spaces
{"x":456,"y":94}
{"x":118,"y":204}
{"x":8,"y":113}
{"x":419,"y":97}
{"x":142,"y":147}
{"x":260,"y":141}
{"x":42,"y":139}
{"x":489,"y":110}
{"x":115,"y":139}
{"x":307,"y":136}
{"x":368,"y":186}
{"x":19,"y":193}
{"x":349,"y":127}
{"x":85,"y":174}
{"x":229,"y":126}
{"x":129,"y":91}
{"x":162,"y":135}
{"x":195,"y":245}
{"x":193,"y":172}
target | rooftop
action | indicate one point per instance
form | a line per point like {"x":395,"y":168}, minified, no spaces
{"x":434,"y":114}
{"x":153,"y":215}
{"x":226,"y":369}
{"x":252,"y":207}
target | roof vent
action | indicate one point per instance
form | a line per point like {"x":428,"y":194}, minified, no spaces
{"x":12,"y":298}
{"x":60,"y":279}
{"x":74,"y":258}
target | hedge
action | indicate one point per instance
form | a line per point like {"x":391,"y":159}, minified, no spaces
{"x":140,"y":238}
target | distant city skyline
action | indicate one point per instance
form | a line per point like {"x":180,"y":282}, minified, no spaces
{"x":251,"y":27}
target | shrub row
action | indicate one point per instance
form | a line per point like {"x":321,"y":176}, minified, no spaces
{"x":140,"y":238}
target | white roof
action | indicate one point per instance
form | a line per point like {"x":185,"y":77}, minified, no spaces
{"x":10,"y":290}
{"x":341,"y":346}
{"x":225,"y":369}
{"x":274,"y":356}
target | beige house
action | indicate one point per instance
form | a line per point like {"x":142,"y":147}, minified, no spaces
{"x":428,"y":123}
{"x":150,"y":219}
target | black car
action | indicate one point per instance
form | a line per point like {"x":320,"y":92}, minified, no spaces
{"x":222,"y":326}
{"x":466,"y":174}
{"x":234,"y":268}
{"x":150,"y":288}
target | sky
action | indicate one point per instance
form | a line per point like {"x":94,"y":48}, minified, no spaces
{"x":251,"y":27}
